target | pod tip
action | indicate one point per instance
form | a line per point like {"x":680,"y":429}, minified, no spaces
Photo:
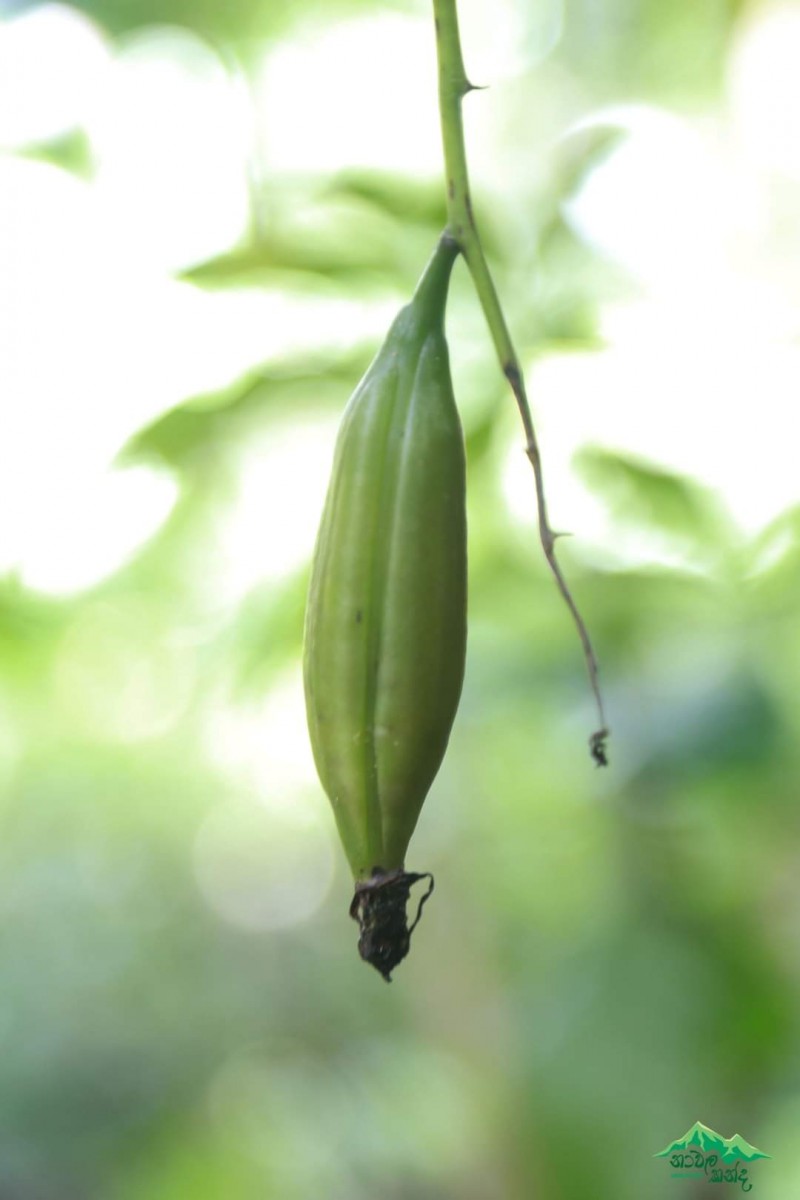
{"x":379,"y":907}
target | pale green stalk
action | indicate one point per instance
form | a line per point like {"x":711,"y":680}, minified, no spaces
{"x":453,"y":86}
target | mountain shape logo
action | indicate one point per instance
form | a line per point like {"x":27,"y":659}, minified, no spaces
{"x":700,"y":1137}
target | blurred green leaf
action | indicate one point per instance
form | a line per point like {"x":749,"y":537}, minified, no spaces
{"x":208,"y":429}
{"x":646,"y":495}
{"x":268,"y":634}
{"x":72,"y":152}
{"x":407,"y":200}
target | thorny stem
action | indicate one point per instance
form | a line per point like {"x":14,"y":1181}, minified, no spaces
{"x":453,"y":86}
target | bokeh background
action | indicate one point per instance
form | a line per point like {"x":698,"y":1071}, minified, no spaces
{"x":209,"y":212}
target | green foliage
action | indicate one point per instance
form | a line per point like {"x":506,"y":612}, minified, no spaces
{"x":608,"y":956}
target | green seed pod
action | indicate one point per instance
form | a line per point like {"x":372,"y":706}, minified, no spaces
{"x":385,"y":636}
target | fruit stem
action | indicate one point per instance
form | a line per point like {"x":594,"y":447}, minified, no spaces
{"x":431,"y":291}
{"x":461,"y":227}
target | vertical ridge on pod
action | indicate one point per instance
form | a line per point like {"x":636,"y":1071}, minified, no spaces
{"x":386,"y":616}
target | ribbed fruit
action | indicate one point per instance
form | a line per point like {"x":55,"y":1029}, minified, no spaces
{"x":385,"y":637}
